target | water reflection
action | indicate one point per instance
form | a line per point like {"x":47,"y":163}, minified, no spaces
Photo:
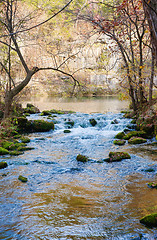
{"x":84,"y":105}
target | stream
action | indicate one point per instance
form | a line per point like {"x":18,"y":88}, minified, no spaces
{"x":69,"y":200}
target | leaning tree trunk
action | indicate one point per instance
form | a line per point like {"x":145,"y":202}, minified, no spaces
{"x":9,"y":96}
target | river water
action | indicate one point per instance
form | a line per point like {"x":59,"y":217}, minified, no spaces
{"x":69,"y":200}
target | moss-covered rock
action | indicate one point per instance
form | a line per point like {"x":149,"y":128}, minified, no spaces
{"x":25,"y":139}
{"x":119,"y":142}
{"x":3,"y":165}
{"x":152,"y":185}
{"x":46,"y":113}
{"x":128,"y":114}
{"x":7,"y":144}
{"x":15,"y":153}
{"x":149,"y":220}
{"x":31,"y":109}
{"x":115,"y":121}
{"x":93,"y":122}
{"x":117,"y":156}
{"x":120,"y":135}
{"x":149,"y":170}
{"x":41,"y":126}
{"x":15,"y":146}
{"x":22,"y":179}
{"x":147,"y":121}
{"x":70,"y":123}
{"x":137,"y":140}
{"x":67,"y":131}
{"x":135,"y":134}
{"x":3,"y":151}
{"x":81,"y":158}
{"x":24,"y":148}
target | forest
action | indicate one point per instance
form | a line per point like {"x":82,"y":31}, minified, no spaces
{"x":80,"y":164}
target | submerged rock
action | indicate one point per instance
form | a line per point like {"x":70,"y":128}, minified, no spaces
{"x":22,"y":179}
{"x":67,"y":131}
{"x":93,"y":122}
{"x":137,"y":140}
{"x":149,"y":220}
{"x":117,"y":156}
{"x":3,"y":165}
{"x":81,"y":158}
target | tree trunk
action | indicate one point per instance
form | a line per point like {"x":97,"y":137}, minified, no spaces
{"x":8,"y":103}
{"x":151,"y":80}
{"x":150,"y":8}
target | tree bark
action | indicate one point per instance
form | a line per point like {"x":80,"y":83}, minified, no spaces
{"x":150,"y":8}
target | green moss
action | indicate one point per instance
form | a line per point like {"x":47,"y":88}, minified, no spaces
{"x":120,"y":135}
{"x":135,"y":134}
{"x":117,"y":156}
{"x":3,"y":165}
{"x":25,"y":140}
{"x":67,"y":131}
{"x":70,"y":123}
{"x":42,"y":126}
{"x":17,"y":145}
{"x":15,"y":153}
{"x":22,"y":179}
{"x":119,"y":142}
{"x":24,"y":148}
{"x":137,"y":140}
{"x":93,"y":122}
{"x":45,"y":113}
{"x":3,"y":151}
{"x":6,"y":144}
{"x":149,"y":220}
{"x":81,"y":158}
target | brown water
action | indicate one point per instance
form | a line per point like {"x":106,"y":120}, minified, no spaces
{"x":84,"y":105}
{"x":65,"y":199}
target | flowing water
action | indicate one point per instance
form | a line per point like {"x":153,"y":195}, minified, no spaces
{"x":69,"y":200}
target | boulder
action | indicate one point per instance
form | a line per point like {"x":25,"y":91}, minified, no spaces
{"x":119,"y":142}
{"x":22,"y":179}
{"x":137,"y":140}
{"x":81,"y":158}
{"x":31,"y":109}
{"x":135,"y":134}
{"x":41,"y":126}
{"x":120,"y":135}
{"x":117,"y":156}
{"x":93,"y":122}
{"x":3,"y":165}
{"x":149,"y":220}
